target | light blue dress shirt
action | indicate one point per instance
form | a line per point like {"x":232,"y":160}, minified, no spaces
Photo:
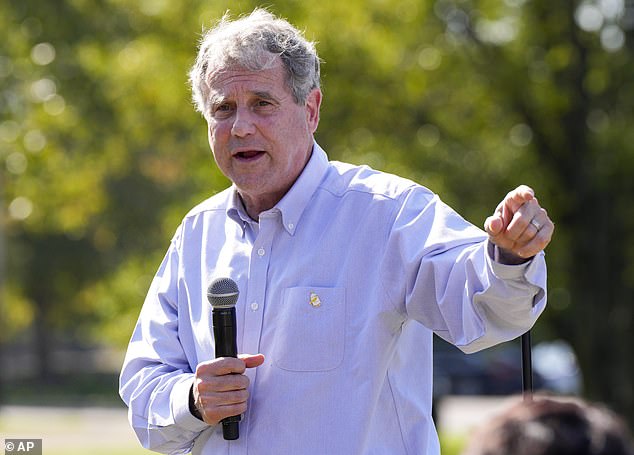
{"x":342,"y":284}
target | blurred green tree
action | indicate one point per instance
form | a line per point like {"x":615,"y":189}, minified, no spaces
{"x":102,"y":153}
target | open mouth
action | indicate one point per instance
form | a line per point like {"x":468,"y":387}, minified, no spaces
{"x":248,"y":155}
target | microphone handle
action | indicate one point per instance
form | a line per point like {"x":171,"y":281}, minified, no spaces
{"x":224,"y":326}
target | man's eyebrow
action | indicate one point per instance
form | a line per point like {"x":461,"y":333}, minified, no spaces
{"x":265,"y":95}
{"x":216,"y":100}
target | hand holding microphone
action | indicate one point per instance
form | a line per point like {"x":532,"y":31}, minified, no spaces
{"x":220,"y":386}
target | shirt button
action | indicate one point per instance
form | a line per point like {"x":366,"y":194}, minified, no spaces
{"x":255,"y":306}
{"x":291,"y":225}
{"x":261,"y":252}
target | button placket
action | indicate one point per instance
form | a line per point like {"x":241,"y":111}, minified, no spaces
{"x":257,"y":282}
{"x":255,"y":295}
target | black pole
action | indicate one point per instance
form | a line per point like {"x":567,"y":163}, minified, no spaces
{"x":527,"y":367}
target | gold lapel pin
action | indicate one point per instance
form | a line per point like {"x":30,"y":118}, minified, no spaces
{"x":314,"y":300}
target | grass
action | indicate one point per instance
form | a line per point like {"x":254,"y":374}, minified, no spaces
{"x":71,"y":430}
{"x":73,"y":415}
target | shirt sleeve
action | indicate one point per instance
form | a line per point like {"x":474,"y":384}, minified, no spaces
{"x":439,"y":273}
{"x":156,"y":374}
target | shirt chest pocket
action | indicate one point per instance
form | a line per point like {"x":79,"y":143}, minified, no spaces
{"x":310,"y":335}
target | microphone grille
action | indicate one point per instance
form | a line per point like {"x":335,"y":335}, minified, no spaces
{"x":223,"y":293}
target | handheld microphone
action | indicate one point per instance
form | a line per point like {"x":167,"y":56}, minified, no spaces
{"x":222,"y":294}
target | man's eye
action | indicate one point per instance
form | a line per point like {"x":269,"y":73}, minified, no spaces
{"x":264,"y":106}
{"x":222,"y":110}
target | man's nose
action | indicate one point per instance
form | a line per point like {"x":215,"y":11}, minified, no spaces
{"x":243,"y":123}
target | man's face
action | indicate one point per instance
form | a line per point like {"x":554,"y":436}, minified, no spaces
{"x":260,"y":138}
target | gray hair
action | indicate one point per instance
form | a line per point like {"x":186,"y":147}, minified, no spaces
{"x":254,"y":42}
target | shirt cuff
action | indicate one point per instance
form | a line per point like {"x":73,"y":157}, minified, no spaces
{"x":180,"y":407}
{"x":505,"y":271}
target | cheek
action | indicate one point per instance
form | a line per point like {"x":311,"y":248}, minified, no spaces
{"x":214,"y":137}
{"x":214,"y":145}
{"x":210,"y":133}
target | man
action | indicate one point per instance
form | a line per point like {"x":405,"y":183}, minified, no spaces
{"x":344,"y":275}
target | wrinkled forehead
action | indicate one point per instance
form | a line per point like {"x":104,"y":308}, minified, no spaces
{"x":236,"y":82}
{"x":242,"y":60}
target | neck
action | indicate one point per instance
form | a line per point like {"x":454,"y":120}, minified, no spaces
{"x":256,"y":203}
{"x":260,"y":203}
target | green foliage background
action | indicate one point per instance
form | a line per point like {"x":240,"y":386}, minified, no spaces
{"x":101,"y":152}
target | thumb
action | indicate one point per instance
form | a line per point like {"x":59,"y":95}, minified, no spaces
{"x":252,"y":360}
{"x":494,"y":225}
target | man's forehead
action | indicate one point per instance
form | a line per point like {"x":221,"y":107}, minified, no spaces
{"x":226,"y":67}
{"x":237,"y":79}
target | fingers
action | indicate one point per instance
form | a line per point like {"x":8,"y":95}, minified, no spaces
{"x":520,"y":226}
{"x":221,"y":388}
{"x":521,"y":194}
{"x":221,"y":366}
{"x":494,"y":225}
{"x":538,"y":242}
{"x":216,"y":406}
{"x":514,"y":200}
{"x":506,"y":209}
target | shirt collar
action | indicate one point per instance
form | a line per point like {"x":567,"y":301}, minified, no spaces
{"x":236,"y":210}
{"x":297,"y":198}
{"x":292,"y":205}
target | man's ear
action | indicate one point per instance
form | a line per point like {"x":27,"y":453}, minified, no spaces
{"x":313,"y":103}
